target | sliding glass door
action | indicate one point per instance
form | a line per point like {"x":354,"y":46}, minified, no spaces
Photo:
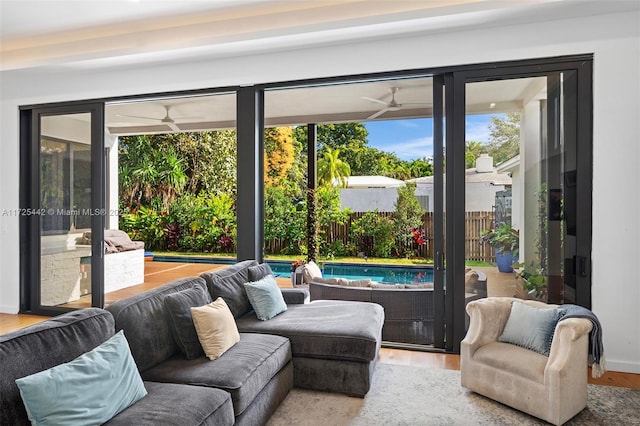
{"x":63,"y":213}
{"x":525,"y":184}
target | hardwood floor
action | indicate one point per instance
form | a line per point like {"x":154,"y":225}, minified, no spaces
{"x":158,"y":273}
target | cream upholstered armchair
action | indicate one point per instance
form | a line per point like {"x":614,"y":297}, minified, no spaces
{"x":552,"y":388}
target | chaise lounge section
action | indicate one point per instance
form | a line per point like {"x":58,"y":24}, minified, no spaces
{"x":334,"y":344}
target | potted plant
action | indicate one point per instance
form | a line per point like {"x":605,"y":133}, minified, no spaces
{"x":504,"y":240}
{"x":531,"y":282}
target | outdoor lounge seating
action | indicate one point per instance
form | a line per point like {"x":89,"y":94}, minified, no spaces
{"x":553,"y":387}
{"x":408,"y":309}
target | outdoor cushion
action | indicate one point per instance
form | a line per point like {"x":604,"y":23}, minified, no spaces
{"x":216,"y":328}
{"x":90,"y":389}
{"x":178,"y":308}
{"x":330,"y":329}
{"x":243,"y":371}
{"x":344,"y":282}
{"x":198,"y":405}
{"x":228,"y":283}
{"x":310,"y":271}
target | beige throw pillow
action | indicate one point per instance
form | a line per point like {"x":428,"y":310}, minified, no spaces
{"x":216,"y":328}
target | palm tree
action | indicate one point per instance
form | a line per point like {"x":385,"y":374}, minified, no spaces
{"x":332,"y":169}
{"x":171,"y":176}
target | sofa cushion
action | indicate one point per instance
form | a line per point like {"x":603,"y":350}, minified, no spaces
{"x":330,"y":329}
{"x":42,"y":346}
{"x":178,"y":307}
{"x":258,"y":272}
{"x":90,"y":389}
{"x":228,"y":283}
{"x":243,"y":371}
{"x":531,"y":327}
{"x":215,"y":327}
{"x":197,"y":405}
{"x":146,"y":324}
{"x":265,"y":297}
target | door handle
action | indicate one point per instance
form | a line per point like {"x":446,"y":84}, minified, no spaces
{"x":581,"y":266}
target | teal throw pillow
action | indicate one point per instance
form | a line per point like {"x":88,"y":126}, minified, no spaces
{"x":265,"y":297}
{"x":89,"y":390}
{"x":530,"y":327}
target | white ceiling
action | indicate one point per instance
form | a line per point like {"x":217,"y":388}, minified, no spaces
{"x":86,"y":33}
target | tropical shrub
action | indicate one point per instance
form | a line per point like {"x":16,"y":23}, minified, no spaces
{"x":328,"y":213}
{"x":406,"y":219}
{"x":146,"y":224}
{"x":373,"y":234}
{"x":207,"y":222}
{"x":285,"y":219}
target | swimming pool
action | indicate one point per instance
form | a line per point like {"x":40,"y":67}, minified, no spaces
{"x":388,"y":274}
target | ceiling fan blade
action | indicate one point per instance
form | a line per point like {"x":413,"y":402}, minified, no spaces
{"x":139,"y":117}
{"x":377,"y":114}
{"x":173,"y":126}
{"x":190,"y":117}
{"x":373,"y":100}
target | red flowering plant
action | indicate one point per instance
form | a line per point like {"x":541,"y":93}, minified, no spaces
{"x":418,"y":236}
{"x":295,"y":264}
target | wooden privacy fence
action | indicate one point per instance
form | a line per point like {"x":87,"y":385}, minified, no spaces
{"x":475,"y":223}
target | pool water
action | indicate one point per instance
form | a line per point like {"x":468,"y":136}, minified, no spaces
{"x":388,"y":274}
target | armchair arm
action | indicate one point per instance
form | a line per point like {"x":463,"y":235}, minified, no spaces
{"x":487,"y":319}
{"x":564,"y":348}
{"x":295,"y":296}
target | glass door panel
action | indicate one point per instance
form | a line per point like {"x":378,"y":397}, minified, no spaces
{"x":65,"y":203}
{"x":520,"y":184}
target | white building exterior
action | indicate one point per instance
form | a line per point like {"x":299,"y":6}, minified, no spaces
{"x":368,"y":193}
{"x":481,"y":182}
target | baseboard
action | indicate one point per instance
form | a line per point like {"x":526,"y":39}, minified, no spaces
{"x":623,"y":367}
{"x":8,"y":309}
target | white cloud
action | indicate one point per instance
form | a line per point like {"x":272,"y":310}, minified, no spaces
{"x":477,"y":131}
{"x":410,"y":149}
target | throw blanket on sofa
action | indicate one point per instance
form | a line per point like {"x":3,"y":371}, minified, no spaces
{"x":596,"y":349}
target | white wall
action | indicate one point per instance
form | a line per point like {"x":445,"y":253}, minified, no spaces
{"x":478,"y":196}
{"x":369,"y":199}
{"x":614,"y":39}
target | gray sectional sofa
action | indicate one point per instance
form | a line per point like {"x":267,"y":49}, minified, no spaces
{"x":325,"y":345}
{"x":61,"y":339}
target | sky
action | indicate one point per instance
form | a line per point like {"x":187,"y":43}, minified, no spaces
{"x":412,"y":139}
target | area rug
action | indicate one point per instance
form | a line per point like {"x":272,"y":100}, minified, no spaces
{"x":413,"y":396}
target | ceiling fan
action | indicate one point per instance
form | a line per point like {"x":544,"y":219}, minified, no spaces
{"x":167,"y":119}
{"x":391,"y":105}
